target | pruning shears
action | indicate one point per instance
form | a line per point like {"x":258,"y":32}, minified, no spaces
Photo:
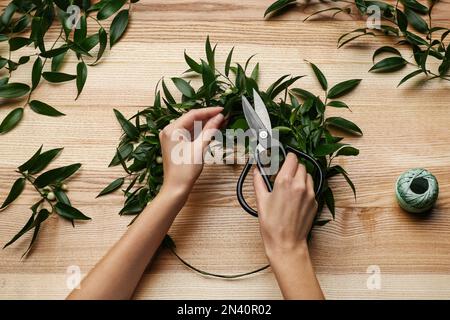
{"x":267,"y":149}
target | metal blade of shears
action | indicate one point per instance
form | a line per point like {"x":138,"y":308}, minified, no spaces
{"x":261,"y":111}
{"x":253,"y":120}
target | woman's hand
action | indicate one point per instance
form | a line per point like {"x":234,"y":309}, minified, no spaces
{"x":286,"y":216}
{"x":183,"y":151}
{"x":126,"y":261}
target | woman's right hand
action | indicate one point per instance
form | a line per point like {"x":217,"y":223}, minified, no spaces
{"x":286,"y":216}
{"x":287,"y":213}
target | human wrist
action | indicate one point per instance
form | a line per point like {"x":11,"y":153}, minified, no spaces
{"x":282,"y":254}
{"x":175,"y":190}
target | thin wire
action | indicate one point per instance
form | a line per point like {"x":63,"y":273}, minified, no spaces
{"x":215,"y":275}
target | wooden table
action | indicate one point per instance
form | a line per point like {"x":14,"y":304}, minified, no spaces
{"x":403,"y":128}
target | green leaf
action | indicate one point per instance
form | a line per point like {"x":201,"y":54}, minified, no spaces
{"x":13,"y":90}
{"x":30,"y":162}
{"x":118,"y":27}
{"x":11,"y":120}
{"x":27,"y":227}
{"x":255,"y":72}
{"x":54,"y":52}
{"x":409,"y":76}
{"x":87,"y":44}
{"x":337,"y":104}
{"x":228,"y":62}
{"x":56,"y":175}
{"x":343,"y":88}
{"x":329,"y":200}
{"x":282,"y":129}
{"x":61,"y":196}
{"x":196,"y":67}
{"x":69,"y":212}
{"x":8,"y":13}
{"x":36,"y":73}
{"x":44,"y":109}
{"x":320,"y":76}
{"x":385,"y":49}
{"x":167,"y":93}
{"x":321,"y":223}
{"x":184,"y":87}
{"x":327,"y":149}
{"x":344,"y":124}
{"x":113,"y":186}
{"x":342,"y":42}
{"x":62,"y":4}
{"x":415,"y":5}
{"x":103,"y":40}
{"x":81,"y":31}
{"x":415,"y":39}
{"x":132,"y":207}
{"x":402,"y":20}
{"x":96,"y":6}
{"x":43,"y":160}
{"x":347,"y":151}
{"x":21,"y":24}
{"x":57,"y":61}
{"x":19,"y":42}
{"x":125,"y":151}
{"x":283,"y":86}
{"x":239,"y":123}
{"x":15,"y":192}
{"x":41,"y":217}
{"x":24,"y":60}
{"x":390,"y":64}
{"x":57,"y":77}
{"x":339,"y":170}
{"x":416,"y":21}
{"x":110,"y":8}
{"x":32,"y":223}
{"x":210,"y":54}
{"x":303,"y":93}
{"x":82,"y":73}
{"x":278,"y":5}
{"x":130,"y":130}
{"x":337,"y":9}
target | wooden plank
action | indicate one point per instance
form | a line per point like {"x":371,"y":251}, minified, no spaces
{"x":404,"y":128}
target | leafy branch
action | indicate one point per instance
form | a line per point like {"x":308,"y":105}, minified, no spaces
{"x":408,"y":22}
{"x":26,"y":23}
{"x":298,"y":115}
{"x":51,"y":189}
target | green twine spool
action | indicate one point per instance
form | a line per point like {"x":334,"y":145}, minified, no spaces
{"x":417,"y":190}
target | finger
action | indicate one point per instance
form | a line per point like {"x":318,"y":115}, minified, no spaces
{"x":289,"y":167}
{"x":301,"y":173}
{"x":259,"y":185}
{"x":309,"y":184}
{"x":210,"y":129}
{"x":186,"y":121}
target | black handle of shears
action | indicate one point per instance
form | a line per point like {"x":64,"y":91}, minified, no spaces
{"x":248,"y":166}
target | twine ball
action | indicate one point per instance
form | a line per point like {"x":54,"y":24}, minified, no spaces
{"x":417,"y":190}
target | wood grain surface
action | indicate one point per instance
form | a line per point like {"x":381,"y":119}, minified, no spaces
{"x":403,"y":128}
